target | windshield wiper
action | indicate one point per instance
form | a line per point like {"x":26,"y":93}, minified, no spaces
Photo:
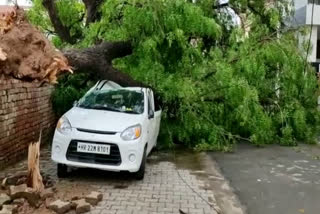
{"x":85,"y":107}
{"x":108,"y":109}
{"x":105,"y":108}
{"x":130,"y":112}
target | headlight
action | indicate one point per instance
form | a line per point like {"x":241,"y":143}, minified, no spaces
{"x":64,"y":125}
{"x":131,"y":133}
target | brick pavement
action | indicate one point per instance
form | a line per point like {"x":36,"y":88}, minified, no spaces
{"x":161,"y":191}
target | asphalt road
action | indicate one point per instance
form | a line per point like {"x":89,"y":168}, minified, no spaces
{"x":274,"y":180}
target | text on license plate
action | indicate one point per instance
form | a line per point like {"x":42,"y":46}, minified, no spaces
{"x":93,"y":148}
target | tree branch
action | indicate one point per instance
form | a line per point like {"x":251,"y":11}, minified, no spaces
{"x":92,"y":7}
{"x":60,"y":29}
{"x":98,"y":60}
{"x":219,"y":6}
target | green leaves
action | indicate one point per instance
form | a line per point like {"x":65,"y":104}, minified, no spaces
{"x":71,"y":13}
{"x":39,"y":16}
{"x":211,"y":102}
{"x":217,"y":86}
{"x":69,"y":89}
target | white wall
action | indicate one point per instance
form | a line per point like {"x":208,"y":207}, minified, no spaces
{"x":303,"y":39}
{"x":313,"y":47}
{"x":316,"y":14}
{"x":300,"y":3}
{"x":300,"y":16}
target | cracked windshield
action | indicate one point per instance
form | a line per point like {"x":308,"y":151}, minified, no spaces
{"x":114,"y":100}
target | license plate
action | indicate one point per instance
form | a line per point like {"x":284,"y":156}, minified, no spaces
{"x":93,"y":148}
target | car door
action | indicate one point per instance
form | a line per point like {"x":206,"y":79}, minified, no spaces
{"x":151,"y":121}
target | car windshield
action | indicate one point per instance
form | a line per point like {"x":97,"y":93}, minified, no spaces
{"x":122,"y":100}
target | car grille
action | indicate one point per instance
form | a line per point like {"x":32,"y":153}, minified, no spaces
{"x":113,"y":159}
{"x":96,"y":132}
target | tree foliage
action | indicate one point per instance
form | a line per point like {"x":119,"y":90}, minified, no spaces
{"x":70,"y":89}
{"x":217,"y":84}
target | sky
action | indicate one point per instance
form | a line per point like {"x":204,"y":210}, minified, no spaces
{"x":27,"y":2}
{"x":298,"y":3}
{"x":20,"y":2}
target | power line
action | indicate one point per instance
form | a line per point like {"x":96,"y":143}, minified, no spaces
{"x":310,"y":37}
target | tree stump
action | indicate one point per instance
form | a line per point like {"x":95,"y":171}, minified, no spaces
{"x":34,"y":179}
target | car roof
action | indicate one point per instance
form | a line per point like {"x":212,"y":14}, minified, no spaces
{"x":106,"y":84}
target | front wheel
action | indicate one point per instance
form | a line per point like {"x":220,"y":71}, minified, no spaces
{"x":62,"y":170}
{"x":139,"y":175}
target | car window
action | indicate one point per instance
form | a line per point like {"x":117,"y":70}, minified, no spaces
{"x":150,"y":102}
{"x":126,"y":101}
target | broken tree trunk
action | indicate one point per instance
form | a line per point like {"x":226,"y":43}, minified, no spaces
{"x":34,"y":179}
{"x":25,"y":53}
{"x":98,"y":61}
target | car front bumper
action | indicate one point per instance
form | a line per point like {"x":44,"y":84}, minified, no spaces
{"x":62,"y":141}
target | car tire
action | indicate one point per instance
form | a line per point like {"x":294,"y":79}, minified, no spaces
{"x":62,"y":170}
{"x":139,"y":175}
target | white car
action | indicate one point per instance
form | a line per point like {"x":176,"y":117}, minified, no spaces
{"x":110,"y":128}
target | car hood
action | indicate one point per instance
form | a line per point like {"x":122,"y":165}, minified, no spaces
{"x":101,"y":120}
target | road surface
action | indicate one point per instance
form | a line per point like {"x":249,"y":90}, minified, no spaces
{"x":277,"y":180}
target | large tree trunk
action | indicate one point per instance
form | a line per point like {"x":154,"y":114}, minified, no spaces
{"x":60,"y":29}
{"x":98,"y":61}
{"x":92,"y":7}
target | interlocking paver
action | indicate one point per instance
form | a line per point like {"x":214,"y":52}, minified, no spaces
{"x":161,"y":191}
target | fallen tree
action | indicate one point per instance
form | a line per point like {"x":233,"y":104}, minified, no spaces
{"x":219,"y":82}
{"x":26,"y":54}
{"x":98,"y":59}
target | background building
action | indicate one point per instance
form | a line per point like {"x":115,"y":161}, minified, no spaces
{"x":303,"y":17}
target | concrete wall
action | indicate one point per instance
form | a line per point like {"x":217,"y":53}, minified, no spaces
{"x":24,"y":108}
{"x":300,"y":17}
{"x":313,"y":45}
{"x":316,"y":14}
{"x":314,"y":39}
{"x":303,"y":17}
{"x":300,"y":3}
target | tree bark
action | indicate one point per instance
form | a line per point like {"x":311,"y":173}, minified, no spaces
{"x":34,"y":178}
{"x":92,"y":8}
{"x":62,"y":31}
{"x":98,"y":61}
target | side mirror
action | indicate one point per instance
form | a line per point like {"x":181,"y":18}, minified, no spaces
{"x":75,"y":103}
{"x":151,"y":114}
